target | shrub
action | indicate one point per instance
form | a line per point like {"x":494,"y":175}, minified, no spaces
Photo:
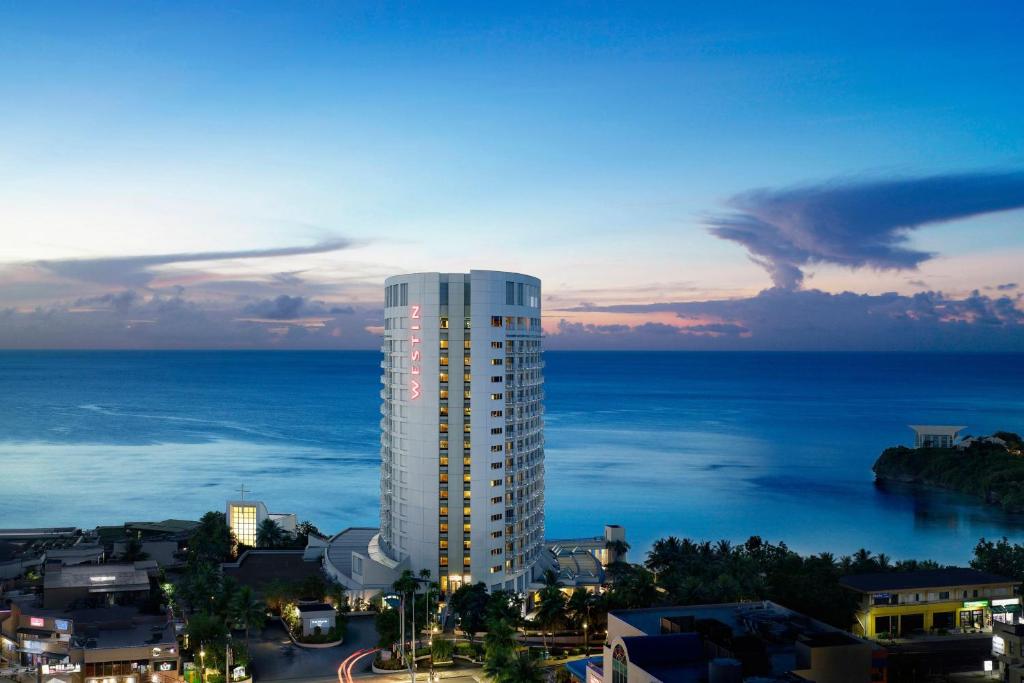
{"x":441,"y":650}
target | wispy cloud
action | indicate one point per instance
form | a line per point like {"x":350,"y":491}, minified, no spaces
{"x":857,"y":223}
{"x":137,"y":271}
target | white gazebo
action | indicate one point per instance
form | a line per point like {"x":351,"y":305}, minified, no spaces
{"x":936,"y":436}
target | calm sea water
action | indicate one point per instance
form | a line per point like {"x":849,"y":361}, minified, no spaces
{"x":694,"y":444}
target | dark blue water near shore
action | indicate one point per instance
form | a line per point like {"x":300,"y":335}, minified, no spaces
{"x":696,"y":444}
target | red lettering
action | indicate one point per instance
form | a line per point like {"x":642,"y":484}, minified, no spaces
{"x":415,"y":388}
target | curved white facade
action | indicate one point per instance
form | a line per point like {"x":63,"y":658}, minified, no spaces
{"x":462,"y":429}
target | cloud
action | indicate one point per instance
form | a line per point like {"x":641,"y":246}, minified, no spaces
{"x":1007,"y":286}
{"x":856,"y":223}
{"x":811,"y":320}
{"x":137,"y":271}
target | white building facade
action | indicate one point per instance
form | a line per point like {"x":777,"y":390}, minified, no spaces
{"x":462,"y":428}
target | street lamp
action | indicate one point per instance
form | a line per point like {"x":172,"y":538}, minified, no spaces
{"x":586,"y":640}
{"x":202,"y":664}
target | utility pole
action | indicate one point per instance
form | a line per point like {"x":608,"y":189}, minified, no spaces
{"x":412,"y":660}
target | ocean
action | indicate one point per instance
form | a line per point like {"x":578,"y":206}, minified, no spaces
{"x":701,"y":445}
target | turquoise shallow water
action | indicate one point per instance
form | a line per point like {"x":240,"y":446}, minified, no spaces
{"x":696,"y":444}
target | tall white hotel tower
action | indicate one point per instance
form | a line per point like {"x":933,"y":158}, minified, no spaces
{"x":462,"y":432}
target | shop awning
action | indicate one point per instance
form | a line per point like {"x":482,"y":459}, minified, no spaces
{"x":1006,"y":609}
{"x":39,"y":632}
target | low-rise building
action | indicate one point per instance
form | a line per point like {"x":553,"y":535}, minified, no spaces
{"x":94,"y":585}
{"x":902,"y":604}
{"x":729,"y":642}
{"x":1008,"y":649}
{"x":936,"y":436}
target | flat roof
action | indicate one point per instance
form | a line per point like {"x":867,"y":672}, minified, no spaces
{"x":97,"y":577}
{"x":315,"y":607}
{"x":949,"y":430}
{"x":925,"y":578}
{"x":256,"y":568}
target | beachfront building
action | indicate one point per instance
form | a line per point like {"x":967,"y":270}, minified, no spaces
{"x":902,"y":604}
{"x":936,"y":436}
{"x":729,"y":642}
{"x":462,"y":437}
{"x":245,"y":517}
{"x":462,"y":431}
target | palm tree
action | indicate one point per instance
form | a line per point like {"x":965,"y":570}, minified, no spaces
{"x":269,"y":534}
{"x":247,"y":610}
{"x":578,"y":607}
{"x":499,"y":647}
{"x":618,"y":549}
{"x":521,"y":669}
{"x":551,"y":610}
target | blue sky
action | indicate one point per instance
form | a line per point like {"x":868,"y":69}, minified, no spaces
{"x":594,"y":145}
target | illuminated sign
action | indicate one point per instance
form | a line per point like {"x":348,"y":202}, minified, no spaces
{"x":103,"y":579}
{"x":36,"y":622}
{"x":322,"y":623}
{"x":1003,"y":602}
{"x":60,"y":624}
{"x":62,"y":668}
{"x":976,"y":604}
{"x":414,"y":351}
{"x":998,"y":645}
{"x":165,"y":666}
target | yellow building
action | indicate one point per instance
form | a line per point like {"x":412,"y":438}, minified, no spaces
{"x":900,"y":604}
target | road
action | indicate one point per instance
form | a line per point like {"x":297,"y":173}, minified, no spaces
{"x":271,"y":661}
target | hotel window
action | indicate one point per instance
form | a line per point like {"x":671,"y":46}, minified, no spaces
{"x":443,"y":360}
{"x":496,"y":534}
{"x":443,"y":527}
{"x":519,"y":293}
{"x":444,"y":410}
{"x":443,"y":377}
{"x":467,"y":377}
{"x":496,"y":413}
{"x":443,"y":478}
{"x":443,"y":511}
{"x":496,"y":345}
{"x":465,"y":495}
{"x":444,"y":343}
{"x":467,"y":478}
{"x":443,"y":394}
{"x":443,"y":544}
{"x":495,"y":482}
{"x":496,"y":465}
{"x":496,"y":397}
{"x":497,"y":551}
{"x":465,"y":561}
{"x":495,"y":570}
{"x":443,"y":444}
{"x":496,"y":448}
{"x":495,"y":321}
{"x":467,"y":344}
{"x":466,"y":395}
{"x":466,"y":428}
{"x":496,"y":500}
{"x":943,"y":595}
{"x":467,"y":411}
{"x":466,"y":325}
{"x":466,"y":360}
{"x":494,"y":378}
{"x":495,"y":518}
{"x":404,"y":295}
{"x":496,"y":430}
{"x":444,"y":561}
{"x":444,"y":323}
{"x":443,"y":427}
{"x":497,"y":361}
{"x":510,"y":292}
{"x":466,"y":528}
{"x":466,"y":512}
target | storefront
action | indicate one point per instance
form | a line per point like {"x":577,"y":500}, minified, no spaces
{"x":975,"y":614}
{"x":1006,"y":610}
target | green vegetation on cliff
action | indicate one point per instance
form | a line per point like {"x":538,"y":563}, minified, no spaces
{"x":987,"y":470}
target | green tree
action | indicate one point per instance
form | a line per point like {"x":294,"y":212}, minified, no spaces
{"x":212,"y":541}
{"x":499,"y":647}
{"x":999,"y":557}
{"x":521,"y":668}
{"x":269,"y":534}
{"x":469,"y":601}
{"x":388,"y":627}
{"x":504,"y":606}
{"x":133,"y":551}
{"x":550,"y":610}
{"x":247,"y":611}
